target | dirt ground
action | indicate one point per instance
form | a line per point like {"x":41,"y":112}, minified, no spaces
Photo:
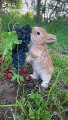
{"x":8,"y":94}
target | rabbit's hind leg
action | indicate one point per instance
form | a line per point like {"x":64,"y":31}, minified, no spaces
{"x":45,"y":80}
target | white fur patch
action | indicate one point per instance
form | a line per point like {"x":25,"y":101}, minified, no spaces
{"x":36,"y":67}
{"x":45,"y":80}
{"x":44,"y":85}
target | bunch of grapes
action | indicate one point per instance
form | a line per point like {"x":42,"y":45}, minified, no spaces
{"x":19,"y":52}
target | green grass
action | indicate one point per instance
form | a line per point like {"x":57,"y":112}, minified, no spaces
{"x":60,"y":29}
{"x":44,"y":105}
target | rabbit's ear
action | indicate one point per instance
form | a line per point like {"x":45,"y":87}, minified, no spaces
{"x":50,"y":38}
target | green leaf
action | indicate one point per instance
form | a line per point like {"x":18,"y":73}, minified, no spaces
{"x":21,"y":78}
{"x":16,"y":41}
{"x":14,"y":77}
{"x":10,"y":46}
{"x":10,"y":38}
{"x":5,"y":52}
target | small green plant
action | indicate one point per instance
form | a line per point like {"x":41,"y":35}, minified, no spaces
{"x":34,"y":107}
{"x":17,"y":77}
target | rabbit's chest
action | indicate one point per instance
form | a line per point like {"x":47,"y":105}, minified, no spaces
{"x":36,"y":52}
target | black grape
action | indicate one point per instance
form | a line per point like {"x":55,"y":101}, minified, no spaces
{"x":19,"y":52}
{"x":18,"y":29}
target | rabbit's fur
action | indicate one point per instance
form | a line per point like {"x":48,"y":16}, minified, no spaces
{"x":39,"y":57}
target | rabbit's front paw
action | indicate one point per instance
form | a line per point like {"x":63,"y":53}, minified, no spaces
{"x":28,"y":59}
{"x":32,"y":76}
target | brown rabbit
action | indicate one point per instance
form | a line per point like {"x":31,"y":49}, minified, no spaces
{"x":39,"y":57}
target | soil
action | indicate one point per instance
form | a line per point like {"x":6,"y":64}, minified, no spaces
{"x":8,"y":94}
{"x":9,"y":91}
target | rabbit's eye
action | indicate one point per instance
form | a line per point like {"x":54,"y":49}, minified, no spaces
{"x":38,"y":33}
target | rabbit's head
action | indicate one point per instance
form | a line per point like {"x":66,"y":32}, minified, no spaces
{"x":40,"y":36}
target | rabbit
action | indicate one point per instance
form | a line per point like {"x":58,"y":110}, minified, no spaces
{"x":38,"y":55}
